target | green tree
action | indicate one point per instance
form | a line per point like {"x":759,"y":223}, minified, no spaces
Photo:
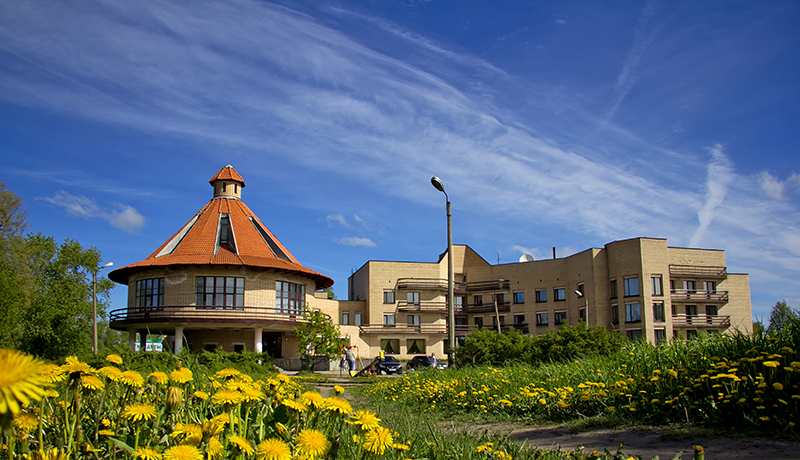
{"x":15,"y":276}
{"x":318,"y":336}
{"x":781,"y":316}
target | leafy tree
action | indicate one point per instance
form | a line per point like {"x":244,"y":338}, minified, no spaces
{"x":318,"y":336}
{"x":780,"y":317}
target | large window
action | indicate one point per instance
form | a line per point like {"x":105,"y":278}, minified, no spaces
{"x":559,"y":294}
{"x":415,"y":346}
{"x":633,"y":313}
{"x":501,"y":298}
{"x":613,"y":289}
{"x":502,"y":320}
{"x":357,"y":318}
{"x":519,"y":297}
{"x":710,"y":287}
{"x":658,"y":312}
{"x":150,"y":292}
{"x":659,"y":335}
{"x":519,"y":319}
{"x":214,"y":292}
{"x":388,"y":296}
{"x":413,"y":298}
{"x":388,"y":319}
{"x":290,"y":297}
{"x":632,"y":286}
{"x":478,"y":322}
{"x":390,"y":346}
{"x":657,"y":285}
{"x":541,"y":295}
{"x":478,"y":300}
{"x":459,"y":301}
{"x":711,"y":311}
{"x":560,"y":317}
{"x":345,"y":318}
{"x":634,"y":335}
{"x":614,"y":314}
{"x":541,"y":318}
{"x":413,"y":321}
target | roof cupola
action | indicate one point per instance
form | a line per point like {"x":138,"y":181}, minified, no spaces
{"x":227,"y":183}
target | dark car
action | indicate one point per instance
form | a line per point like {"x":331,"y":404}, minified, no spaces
{"x":389,"y":365}
{"x":419,"y":361}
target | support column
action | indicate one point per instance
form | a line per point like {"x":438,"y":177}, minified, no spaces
{"x":132,"y":339}
{"x":143,"y":341}
{"x":258,"y":345}
{"x":178,"y":339}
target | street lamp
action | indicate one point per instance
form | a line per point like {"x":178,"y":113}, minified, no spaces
{"x":451,"y":316}
{"x":586,"y":305}
{"x":94,"y":307}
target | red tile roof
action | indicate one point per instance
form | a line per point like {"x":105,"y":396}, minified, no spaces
{"x":199,"y":243}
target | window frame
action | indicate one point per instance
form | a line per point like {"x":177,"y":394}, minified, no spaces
{"x":560,"y":317}
{"x":657,"y":285}
{"x":386,"y":346}
{"x":659,"y":314}
{"x":630,"y":317}
{"x":357,"y":318}
{"x":519,"y":297}
{"x":231,"y":290}
{"x":388,"y":297}
{"x":152,"y":296}
{"x":412,"y":347}
{"x":639,"y":336}
{"x":541,"y":318}
{"x":541,"y":295}
{"x":389,"y":319}
{"x":613,"y":288}
{"x":615,"y":314}
{"x":629,"y":284}
{"x":294,"y":300}
{"x":345,"y":318}
{"x":557,"y":291}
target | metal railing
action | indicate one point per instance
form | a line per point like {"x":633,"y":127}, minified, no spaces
{"x":697,"y":271}
{"x":422,"y":283}
{"x":684,"y":295}
{"x":406,"y":329}
{"x":424,"y":306}
{"x":203,"y":314}
{"x":441,"y":284}
{"x":502,"y":307}
{"x":489,"y":285}
{"x":701,"y":321}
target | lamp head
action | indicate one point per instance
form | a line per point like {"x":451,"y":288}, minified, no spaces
{"x":107,"y":265}
{"x":438,"y":184}
{"x":580,"y":294}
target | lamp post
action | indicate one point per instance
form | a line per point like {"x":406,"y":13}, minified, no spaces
{"x":585,"y":304}
{"x":94,"y":307}
{"x":451,"y":317}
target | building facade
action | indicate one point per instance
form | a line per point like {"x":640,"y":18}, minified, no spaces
{"x":224,"y":280}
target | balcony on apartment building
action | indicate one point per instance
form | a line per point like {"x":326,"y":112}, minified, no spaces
{"x":407,"y":329}
{"x":487,"y":307}
{"x":695,"y":321}
{"x":441,"y":307}
{"x":440,"y":284}
{"x":193,"y":314}
{"x":697,"y":271}
{"x":693,"y":296}
{"x":423,"y":306}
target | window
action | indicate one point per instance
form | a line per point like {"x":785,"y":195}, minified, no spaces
{"x":580,"y":288}
{"x":150,"y":292}
{"x":711,"y":311}
{"x":239,"y":348}
{"x":225,"y":233}
{"x":710,"y":287}
{"x":502,"y":320}
{"x":582,"y":314}
{"x":559,"y":294}
{"x":658,"y":312}
{"x":657,"y":286}
{"x":479,"y":321}
{"x":219,"y":292}
{"x":633,"y":313}
{"x":357,"y":319}
{"x":413,"y":321}
{"x":388,"y":320}
{"x":541,"y":318}
{"x":519,"y":297}
{"x":461,"y":321}
{"x":345,"y":318}
{"x":560,"y":317}
{"x":478,"y":300}
{"x":541,"y":295}
{"x":689,"y":287}
{"x":659,"y":336}
{"x":614,"y":314}
{"x":632,"y":286}
{"x":613,"y":289}
{"x":413,"y":298}
{"x":415,"y":346}
{"x":519,"y":319}
{"x":501,"y":298}
{"x":388,"y":296}
{"x":290,"y":297}
{"x":691,"y":311}
{"x":459,"y":303}
{"x":390,"y":346}
{"x":634,"y":335}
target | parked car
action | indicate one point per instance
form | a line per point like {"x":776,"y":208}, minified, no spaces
{"x":419,"y":361}
{"x":389,"y":365}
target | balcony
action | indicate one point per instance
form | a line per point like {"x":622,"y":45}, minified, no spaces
{"x":694,"y":321}
{"x":697,"y":271}
{"x":423,"y":306}
{"x":192,"y":314}
{"x":422,"y":283}
{"x":484,"y":286}
{"x":521,"y":327}
{"x":502,"y":307}
{"x":440,"y":284}
{"x":408,"y":329}
{"x":683,"y":295}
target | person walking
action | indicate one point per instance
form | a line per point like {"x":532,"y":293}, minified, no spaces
{"x":433,"y":361}
{"x":351,"y":359}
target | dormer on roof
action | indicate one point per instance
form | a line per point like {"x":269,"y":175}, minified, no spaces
{"x":227,"y":183}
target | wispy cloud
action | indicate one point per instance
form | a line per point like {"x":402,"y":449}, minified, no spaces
{"x":776,"y":188}
{"x":124,"y":217}
{"x":357,"y":241}
{"x":720,"y":175}
{"x":338,"y":218}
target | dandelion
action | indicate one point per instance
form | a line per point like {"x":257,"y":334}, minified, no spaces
{"x":313,"y":398}
{"x":183,"y":452}
{"x":139,"y":411}
{"x":132,"y":379}
{"x":242,"y":444}
{"x":20,"y":380}
{"x":110,"y":372}
{"x":226,"y":397}
{"x":182,"y":375}
{"x":778,"y":386}
{"x":202,"y":395}
{"x":772,"y":363}
{"x":312,"y":443}
{"x":92,"y":383}
{"x":146,"y":453}
{"x":252,"y":393}
{"x":273,"y":449}
{"x":25,"y":422}
{"x":296,"y":405}
{"x":339,"y":405}
{"x":212,"y":428}
{"x":158,"y":377}
{"x":338,"y":389}
{"x":191,"y":433}
{"x":366,"y":418}
{"x":226,"y":373}
{"x":377,"y":440}
{"x":52,"y":372}
{"x":114,"y":359}
{"x":52,"y":454}
{"x":105,"y":432}
{"x":74,"y":366}
{"x":215,"y":448}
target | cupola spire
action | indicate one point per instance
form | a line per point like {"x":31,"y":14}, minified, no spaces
{"x":227,"y":183}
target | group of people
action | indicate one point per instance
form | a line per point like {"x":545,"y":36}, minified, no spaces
{"x":349,"y":359}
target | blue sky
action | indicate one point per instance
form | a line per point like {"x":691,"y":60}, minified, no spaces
{"x":564,"y":124}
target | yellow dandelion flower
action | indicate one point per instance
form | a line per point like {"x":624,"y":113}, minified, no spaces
{"x":146,"y":453}
{"x":401,"y":446}
{"x":335,"y":404}
{"x":227,"y":397}
{"x":105,"y":432}
{"x":182,"y":375}
{"x":20,"y":380}
{"x":132,"y":379}
{"x":114,"y":359}
{"x":252,"y":393}
{"x":183,"y":452}
{"x":75,"y":366}
{"x":777,"y":386}
{"x":191,"y":433}
{"x":543,"y":401}
{"x":92,"y":383}
{"x":200,"y":395}
{"x":312,"y":443}
{"x":25,"y":422}
{"x":273,"y":449}
{"x":223,"y":419}
{"x":212,"y":428}
{"x":296,"y":405}
{"x":52,"y":372}
{"x":242,"y":444}
{"x":215,"y":448}
{"x":772,"y":363}
{"x":313,"y":398}
{"x":52,"y":454}
{"x":366,"y":418}
{"x":338,"y":389}
{"x":110,"y":372}
{"x":158,"y":377}
{"x":139,"y":411}
{"x":227,"y":373}
{"x":377,"y":440}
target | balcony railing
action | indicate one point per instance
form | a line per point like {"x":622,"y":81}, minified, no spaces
{"x":490,"y":285}
{"x":424,"y":306}
{"x":701,"y":321}
{"x":697,"y":271}
{"x":177,"y":314}
{"x":422,"y":283}
{"x":406,"y":329}
{"x":440,"y":284}
{"x":502,"y":307}
{"x":684,"y":295}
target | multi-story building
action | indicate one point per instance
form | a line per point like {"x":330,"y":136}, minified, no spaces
{"x":224,"y":280}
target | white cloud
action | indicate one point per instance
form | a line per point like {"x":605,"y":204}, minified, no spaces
{"x":357,"y":241}
{"x":125,"y":217}
{"x":720,"y":175}
{"x":775,"y":188}
{"x":337,"y":218}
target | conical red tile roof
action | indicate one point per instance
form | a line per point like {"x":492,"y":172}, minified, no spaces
{"x":196,"y":242}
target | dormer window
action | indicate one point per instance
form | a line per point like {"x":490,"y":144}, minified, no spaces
{"x":225,"y":234}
